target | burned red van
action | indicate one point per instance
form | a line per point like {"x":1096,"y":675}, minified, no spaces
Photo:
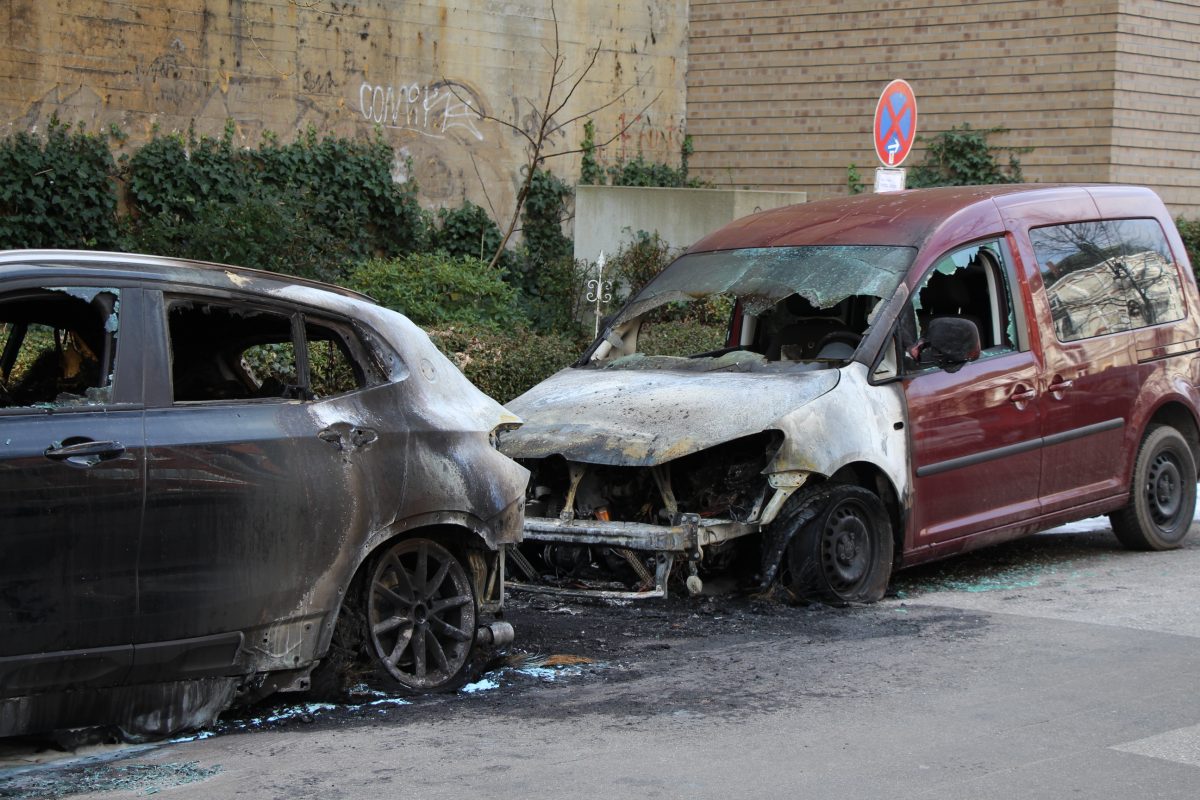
{"x":905,"y":376}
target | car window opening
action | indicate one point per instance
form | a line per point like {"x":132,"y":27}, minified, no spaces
{"x":968,"y":284}
{"x":223,"y":352}
{"x":58,"y":347}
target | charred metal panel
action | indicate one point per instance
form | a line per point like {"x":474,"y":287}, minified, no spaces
{"x":97,"y":666}
{"x":146,"y":711}
{"x":71,"y":524}
{"x":644,"y":418}
{"x":854,"y":422}
{"x":258,"y":510}
{"x":899,"y":219}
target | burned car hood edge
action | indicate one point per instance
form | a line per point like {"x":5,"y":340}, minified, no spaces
{"x":650,"y":417}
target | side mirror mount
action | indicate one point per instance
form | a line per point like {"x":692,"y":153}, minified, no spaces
{"x":949,"y":343}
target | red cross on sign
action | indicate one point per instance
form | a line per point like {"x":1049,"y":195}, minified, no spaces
{"x":895,"y":123}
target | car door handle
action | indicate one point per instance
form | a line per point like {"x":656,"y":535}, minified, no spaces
{"x":1021,"y":395}
{"x":333,"y":436}
{"x":361,"y":437}
{"x":1060,"y":385}
{"x":344,"y":437}
{"x":87,"y":453}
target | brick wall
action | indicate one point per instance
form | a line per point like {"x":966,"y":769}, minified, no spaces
{"x":781,"y":94}
{"x":346,"y":68}
{"x":1156,"y":122}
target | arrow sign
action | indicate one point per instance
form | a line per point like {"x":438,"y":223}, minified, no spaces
{"x":895,"y":123}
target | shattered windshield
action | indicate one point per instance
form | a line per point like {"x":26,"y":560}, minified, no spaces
{"x":761,"y":277}
{"x":782,"y":304}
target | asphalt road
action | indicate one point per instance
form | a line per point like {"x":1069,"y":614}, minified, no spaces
{"x":1059,"y":666}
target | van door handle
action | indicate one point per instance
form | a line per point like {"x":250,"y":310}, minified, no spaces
{"x":1060,"y":385}
{"x":87,"y":453}
{"x":1021,"y":395}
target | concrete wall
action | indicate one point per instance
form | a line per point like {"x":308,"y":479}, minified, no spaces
{"x":414,"y":69}
{"x":781,"y":93}
{"x":607,"y":217}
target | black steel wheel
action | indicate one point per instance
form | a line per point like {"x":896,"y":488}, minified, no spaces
{"x":420,"y":615}
{"x":843,"y":552}
{"x":1162,"y":498}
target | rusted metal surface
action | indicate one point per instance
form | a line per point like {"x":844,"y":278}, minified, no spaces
{"x":257,"y":513}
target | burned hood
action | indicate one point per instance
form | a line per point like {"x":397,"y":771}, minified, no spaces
{"x":649,"y":417}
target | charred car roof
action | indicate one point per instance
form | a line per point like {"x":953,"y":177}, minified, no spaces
{"x":909,"y":218}
{"x":43,"y":263}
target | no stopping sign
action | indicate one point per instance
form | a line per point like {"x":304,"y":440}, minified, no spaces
{"x":895,"y":123}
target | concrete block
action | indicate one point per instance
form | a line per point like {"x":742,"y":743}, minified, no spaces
{"x":607,"y":217}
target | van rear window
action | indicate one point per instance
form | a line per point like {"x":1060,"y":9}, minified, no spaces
{"x":1107,"y":276}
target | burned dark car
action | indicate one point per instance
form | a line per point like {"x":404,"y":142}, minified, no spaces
{"x":214,"y":480}
{"x":903,"y":377}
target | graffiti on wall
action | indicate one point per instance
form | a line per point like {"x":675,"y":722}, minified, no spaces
{"x":640,"y":134}
{"x":431,"y":109}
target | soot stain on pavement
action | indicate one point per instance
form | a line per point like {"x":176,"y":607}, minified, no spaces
{"x":145,"y":779}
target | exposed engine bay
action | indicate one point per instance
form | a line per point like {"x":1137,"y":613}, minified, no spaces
{"x":700,"y":504}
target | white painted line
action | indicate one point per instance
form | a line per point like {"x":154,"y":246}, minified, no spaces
{"x":1181,"y":745}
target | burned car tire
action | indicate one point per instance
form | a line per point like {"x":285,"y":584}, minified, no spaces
{"x":420,"y":609}
{"x":1162,"y":497}
{"x":843,"y":553}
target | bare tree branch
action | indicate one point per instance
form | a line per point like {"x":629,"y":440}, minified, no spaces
{"x":482,"y":184}
{"x":583,"y":74}
{"x":560,"y":90}
{"x":610,"y":139}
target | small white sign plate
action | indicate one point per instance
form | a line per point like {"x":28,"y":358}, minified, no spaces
{"x":889,"y":180}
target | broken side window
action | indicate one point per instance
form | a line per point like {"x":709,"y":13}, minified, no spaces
{"x":333,"y":366}
{"x":223,"y":351}
{"x":58,"y":347}
{"x":970,"y":283}
{"x":231,"y":352}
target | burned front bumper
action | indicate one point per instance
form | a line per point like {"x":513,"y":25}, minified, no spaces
{"x":682,"y":541}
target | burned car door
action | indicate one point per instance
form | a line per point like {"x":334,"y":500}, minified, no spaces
{"x":71,"y":485}
{"x":974,"y":427}
{"x":252,"y":489}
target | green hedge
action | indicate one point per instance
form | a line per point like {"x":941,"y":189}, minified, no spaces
{"x":308,"y":208}
{"x":472,"y":315}
{"x":504,"y":364}
{"x":59,"y":191}
{"x":434,"y":289}
{"x":1189,"y":231}
{"x":328,"y":208}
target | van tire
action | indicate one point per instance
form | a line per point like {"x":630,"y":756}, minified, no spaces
{"x":842,"y":554}
{"x":1162,"y":495}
